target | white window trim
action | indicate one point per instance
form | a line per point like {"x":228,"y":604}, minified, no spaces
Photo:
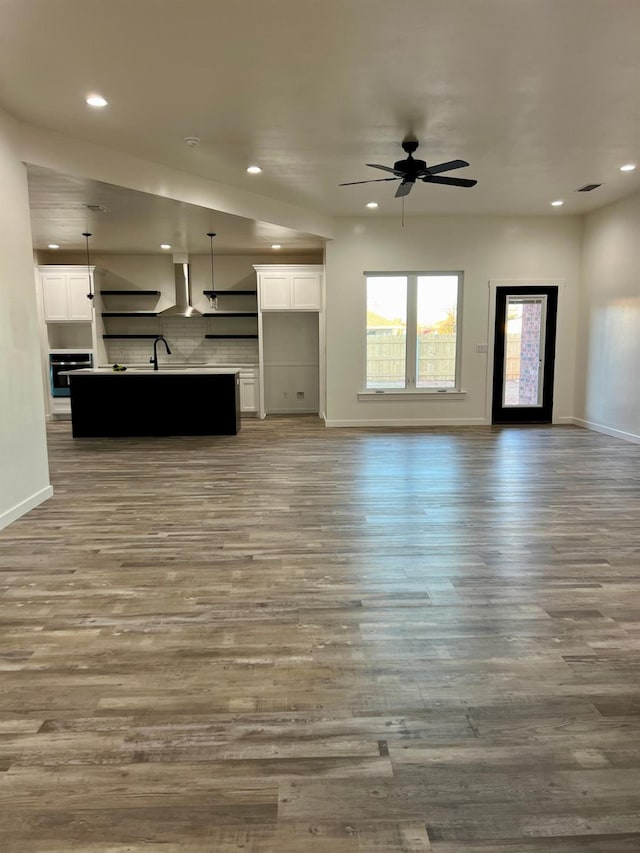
{"x":413,"y":393}
{"x":400,"y":394}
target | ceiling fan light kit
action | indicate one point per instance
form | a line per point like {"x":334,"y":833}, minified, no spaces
{"x":411,"y":170}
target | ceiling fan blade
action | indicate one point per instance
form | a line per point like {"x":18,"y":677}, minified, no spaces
{"x":446,"y":167}
{"x":404,"y":189}
{"x":372,"y":181}
{"x":452,"y":182}
{"x":385,"y":169}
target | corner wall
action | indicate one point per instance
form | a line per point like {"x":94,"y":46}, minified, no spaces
{"x":484,"y":248}
{"x":24,"y":474}
{"x":608,"y":361}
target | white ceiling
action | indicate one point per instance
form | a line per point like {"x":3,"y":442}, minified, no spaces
{"x":136,"y":222}
{"x":540,"y":96}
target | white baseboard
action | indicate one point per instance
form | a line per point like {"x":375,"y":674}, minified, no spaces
{"x":292,"y":412}
{"x":407,"y":422}
{"x":615,"y":433}
{"x":25,"y":506}
{"x":565,"y":419}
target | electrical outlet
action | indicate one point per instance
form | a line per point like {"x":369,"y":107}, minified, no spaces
{"x":300,"y":395}
{"x":482,"y":348}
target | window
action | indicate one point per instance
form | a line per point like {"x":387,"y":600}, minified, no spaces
{"x":412,"y":321}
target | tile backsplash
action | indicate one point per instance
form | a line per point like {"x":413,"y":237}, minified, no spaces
{"x":186,"y":340}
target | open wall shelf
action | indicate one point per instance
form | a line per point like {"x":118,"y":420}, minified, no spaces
{"x":230,"y":292}
{"x":230,"y":314}
{"x":129,"y":293}
{"x":129,"y":313}
{"x":129,"y":337}
{"x":231,"y":336}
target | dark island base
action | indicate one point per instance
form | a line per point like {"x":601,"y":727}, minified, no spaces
{"x":133,"y":404}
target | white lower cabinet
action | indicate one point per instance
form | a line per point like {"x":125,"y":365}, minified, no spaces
{"x":60,"y":407}
{"x":249,"y":392}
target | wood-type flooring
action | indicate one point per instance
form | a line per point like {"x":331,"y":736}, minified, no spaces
{"x":300,"y":639}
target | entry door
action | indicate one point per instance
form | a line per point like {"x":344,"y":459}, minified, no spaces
{"x":524,"y":354}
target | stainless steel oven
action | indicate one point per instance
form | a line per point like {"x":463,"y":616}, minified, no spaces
{"x":60,"y":362}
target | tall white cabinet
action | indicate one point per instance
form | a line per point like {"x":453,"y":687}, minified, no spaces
{"x":68,"y":321}
{"x":291,"y":338}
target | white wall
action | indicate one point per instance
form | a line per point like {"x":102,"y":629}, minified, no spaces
{"x":24,"y":475}
{"x":291,"y":368}
{"x":608,"y":361}
{"x":485,"y":248}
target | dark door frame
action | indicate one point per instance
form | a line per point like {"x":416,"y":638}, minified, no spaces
{"x":551,"y":288}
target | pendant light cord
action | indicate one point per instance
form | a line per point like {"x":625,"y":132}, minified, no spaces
{"x":211,"y":235}
{"x":86,"y":235}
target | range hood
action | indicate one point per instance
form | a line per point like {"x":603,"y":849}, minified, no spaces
{"x":182,"y":277}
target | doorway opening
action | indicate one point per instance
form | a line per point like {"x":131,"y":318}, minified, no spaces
{"x":524,"y":354}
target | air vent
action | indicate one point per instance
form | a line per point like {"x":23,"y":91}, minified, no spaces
{"x":97,"y":208}
{"x":587,"y":188}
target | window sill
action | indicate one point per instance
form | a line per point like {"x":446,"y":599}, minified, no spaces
{"x":402,"y":395}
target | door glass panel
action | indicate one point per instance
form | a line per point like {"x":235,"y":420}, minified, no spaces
{"x":386,"y":331}
{"x":524,"y":348}
{"x":437,"y":309}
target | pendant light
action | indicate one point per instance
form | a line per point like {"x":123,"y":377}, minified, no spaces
{"x":86,"y":235}
{"x":213,"y":297}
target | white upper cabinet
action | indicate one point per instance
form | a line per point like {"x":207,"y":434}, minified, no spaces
{"x":54,"y":296}
{"x":274,"y":292}
{"x":64,"y":294}
{"x":305,"y":291}
{"x":289,"y":287}
{"x":80,"y":308}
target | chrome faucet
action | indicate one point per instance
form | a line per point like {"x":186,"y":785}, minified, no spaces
{"x":154,"y":358}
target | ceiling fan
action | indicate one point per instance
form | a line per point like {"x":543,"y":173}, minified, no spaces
{"x":409,"y":171}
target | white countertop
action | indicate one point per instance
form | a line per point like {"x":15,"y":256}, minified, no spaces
{"x":149,"y":371}
{"x":182,"y":365}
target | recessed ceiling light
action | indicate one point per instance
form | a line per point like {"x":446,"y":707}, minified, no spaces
{"x":276,"y":246}
{"x":165,"y":246}
{"x":372,"y":204}
{"x":557,"y":203}
{"x":254,"y":170}
{"x":53,"y":246}
{"x":96,"y":101}
{"x":628,"y":167}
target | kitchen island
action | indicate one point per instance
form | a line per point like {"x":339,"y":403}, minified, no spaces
{"x":136,"y":402}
